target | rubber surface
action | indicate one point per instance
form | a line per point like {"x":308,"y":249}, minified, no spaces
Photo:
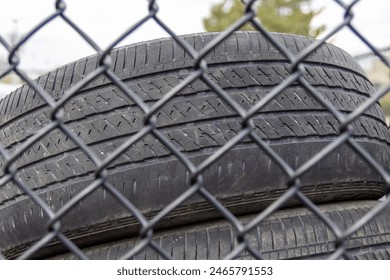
{"x":198,"y":122}
{"x":295,"y":233}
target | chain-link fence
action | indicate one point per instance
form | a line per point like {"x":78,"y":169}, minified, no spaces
{"x":46,"y":113}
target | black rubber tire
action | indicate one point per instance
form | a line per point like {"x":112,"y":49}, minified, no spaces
{"x":295,"y":233}
{"x":198,"y":122}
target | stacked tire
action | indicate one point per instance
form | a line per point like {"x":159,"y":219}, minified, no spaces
{"x":198,"y":122}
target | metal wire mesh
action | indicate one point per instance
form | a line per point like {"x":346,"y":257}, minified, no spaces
{"x":200,"y":67}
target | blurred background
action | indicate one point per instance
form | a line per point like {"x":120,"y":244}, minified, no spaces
{"x":57,"y":43}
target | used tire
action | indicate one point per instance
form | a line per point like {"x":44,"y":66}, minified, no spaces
{"x":198,"y":122}
{"x":295,"y":233}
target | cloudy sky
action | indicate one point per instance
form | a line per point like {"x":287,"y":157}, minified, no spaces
{"x":104,"y":20}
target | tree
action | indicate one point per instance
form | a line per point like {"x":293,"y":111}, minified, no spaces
{"x":286,"y":16}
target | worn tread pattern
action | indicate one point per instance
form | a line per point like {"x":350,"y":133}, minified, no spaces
{"x":149,"y":57}
{"x":105,"y":100}
{"x":295,"y":233}
{"x":198,"y":123}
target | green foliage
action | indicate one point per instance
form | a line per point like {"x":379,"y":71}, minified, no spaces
{"x":385,"y":103}
{"x":286,"y":16}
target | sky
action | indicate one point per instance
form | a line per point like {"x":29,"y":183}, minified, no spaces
{"x":104,"y":20}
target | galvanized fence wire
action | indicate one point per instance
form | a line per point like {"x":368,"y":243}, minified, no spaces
{"x":200,"y":69}
{"x":376,"y":70}
{"x":378,"y":73}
